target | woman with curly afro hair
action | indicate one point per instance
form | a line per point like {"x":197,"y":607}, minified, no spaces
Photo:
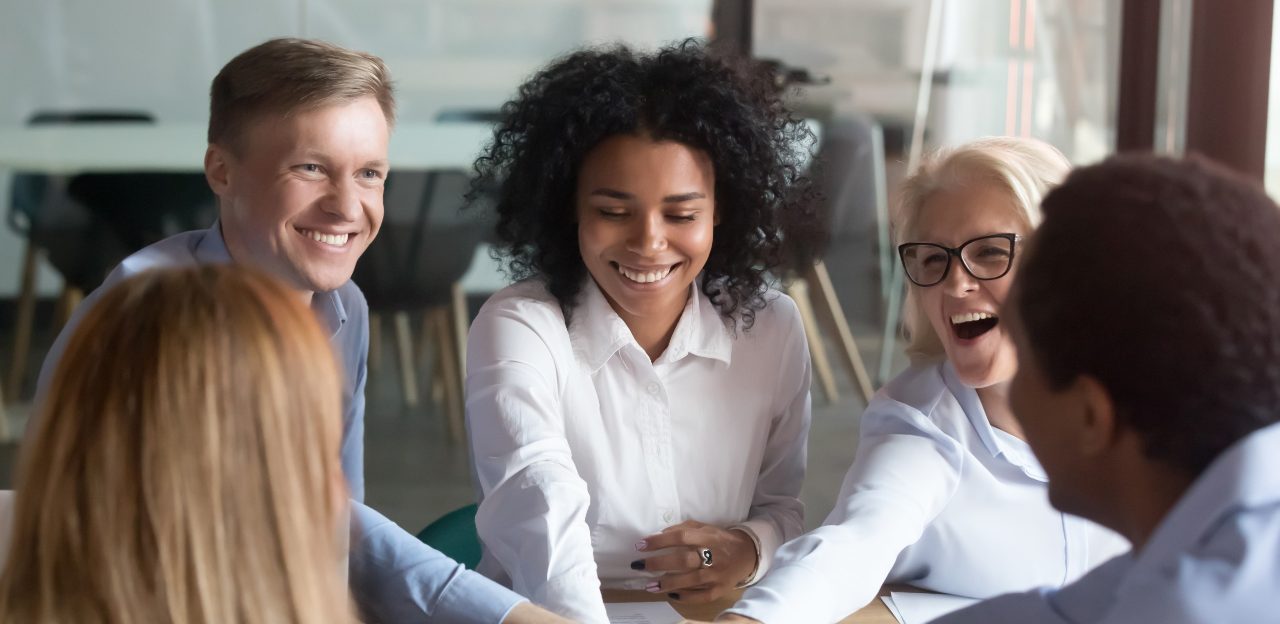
{"x":638,"y":403}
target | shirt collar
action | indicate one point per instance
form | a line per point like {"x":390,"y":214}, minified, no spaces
{"x":212,"y":248}
{"x":998,"y":443}
{"x":1245,"y":476}
{"x":328,"y":307}
{"x":597,"y":332}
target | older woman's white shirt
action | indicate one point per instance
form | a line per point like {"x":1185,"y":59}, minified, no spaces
{"x":937,"y":498}
{"x":582,"y":446}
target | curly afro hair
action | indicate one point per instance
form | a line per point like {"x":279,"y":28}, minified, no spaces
{"x":728,"y":109}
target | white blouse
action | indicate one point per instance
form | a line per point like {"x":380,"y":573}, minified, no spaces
{"x":937,"y":498}
{"x":583,"y":446}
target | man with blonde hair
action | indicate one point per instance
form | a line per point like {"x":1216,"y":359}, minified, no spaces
{"x":297,"y":155}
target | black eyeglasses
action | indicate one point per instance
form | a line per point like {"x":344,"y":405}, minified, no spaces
{"x":985,"y":258}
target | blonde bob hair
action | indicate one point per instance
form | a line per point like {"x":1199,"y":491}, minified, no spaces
{"x":184,"y":466}
{"x":1024,"y":168}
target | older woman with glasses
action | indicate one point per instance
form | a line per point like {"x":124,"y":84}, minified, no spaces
{"x":944,"y":493}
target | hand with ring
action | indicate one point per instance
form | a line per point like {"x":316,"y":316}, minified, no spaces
{"x":701,"y":563}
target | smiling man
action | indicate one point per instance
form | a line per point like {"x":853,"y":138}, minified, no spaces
{"x":297,"y":155}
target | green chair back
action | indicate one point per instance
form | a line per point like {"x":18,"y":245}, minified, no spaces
{"x":454,"y":534}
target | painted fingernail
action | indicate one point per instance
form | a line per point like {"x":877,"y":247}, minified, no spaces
{"x":652,"y":587}
{"x":641,"y":545}
{"x":673,"y":596}
{"x":638,"y":564}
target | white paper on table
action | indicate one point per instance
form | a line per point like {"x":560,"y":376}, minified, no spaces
{"x":918,"y":608}
{"x":641,"y":613}
{"x":893,"y":608}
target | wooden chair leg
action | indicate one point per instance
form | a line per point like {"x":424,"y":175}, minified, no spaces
{"x":431,"y":319}
{"x":25,"y":322}
{"x":460,"y":322}
{"x":375,"y":342}
{"x":817,"y":352}
{"x":404,"y":347}
{"x":5,"y":434}
{"x":68,"y":301}
{"x":833,"y":315}
{"x":451,"y":376}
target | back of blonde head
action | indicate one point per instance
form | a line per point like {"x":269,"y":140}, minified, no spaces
{"x":184,"y":467}
{"x":1024,"y":168}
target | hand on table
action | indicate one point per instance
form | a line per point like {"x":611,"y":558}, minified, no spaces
{"x":686,"y":578}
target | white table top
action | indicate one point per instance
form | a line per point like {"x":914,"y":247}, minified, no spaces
{"x":178,"y":147}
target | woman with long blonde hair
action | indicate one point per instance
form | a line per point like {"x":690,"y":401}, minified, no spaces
{"x":185,"y":464}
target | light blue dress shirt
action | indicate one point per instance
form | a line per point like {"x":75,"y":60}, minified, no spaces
{"x":937,"y":498}
{"x":1214,"y":558}
{"x":394,"y":577}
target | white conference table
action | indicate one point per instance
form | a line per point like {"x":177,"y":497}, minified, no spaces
{"x":180,"y":147}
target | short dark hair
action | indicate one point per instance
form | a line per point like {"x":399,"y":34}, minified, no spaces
{"x":1161,"y":279}
{"x":285,"y":75}
{"x":685,"y":93}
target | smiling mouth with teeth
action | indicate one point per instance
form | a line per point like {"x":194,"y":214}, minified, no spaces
{"x":973,"y":324}
{"x":333,"y":240}
{"x":645,"y":277}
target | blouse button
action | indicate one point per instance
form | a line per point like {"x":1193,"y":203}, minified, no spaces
{"x":667,"y":516}
{"x":654,"y":388}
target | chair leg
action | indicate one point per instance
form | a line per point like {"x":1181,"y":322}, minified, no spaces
{"x":23,"y":327}
{"x":460,"y":322}
{"x":431,"y":319}
{"x":375,"y":342}
{"x":4,"y":420}
{"x":408,"y":372}
{"x":68,"y":301}
{"x":817,"y":351}
{"x":451,"y":376}
{"x":825,"y":294}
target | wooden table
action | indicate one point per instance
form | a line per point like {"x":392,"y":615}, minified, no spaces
{"x":873,"y":613}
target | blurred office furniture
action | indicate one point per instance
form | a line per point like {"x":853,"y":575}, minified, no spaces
{"x":77,"y":241}
{"x":71,"y":144}
{"x":414,"y":266}
{"x":180,"y":147}
{"x":896,"y":294}
{"x":455,"y":535}
{"x":4,"y":419}
{"x":810,"y":284}
{"x":851,"y":179}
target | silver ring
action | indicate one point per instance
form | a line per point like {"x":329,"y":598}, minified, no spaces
{"x":705,"y":555}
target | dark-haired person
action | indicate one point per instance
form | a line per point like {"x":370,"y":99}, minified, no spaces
{"x":638,"y":405}
{"x":297,"y":156}
{"x":1158,"y":413}
{"x":943,"y":493}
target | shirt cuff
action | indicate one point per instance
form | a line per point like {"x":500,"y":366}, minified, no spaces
{"x":474,"y":598}
{"x":574,"y":595}
{"x":766,"y":539}
{"x":793,"y":595}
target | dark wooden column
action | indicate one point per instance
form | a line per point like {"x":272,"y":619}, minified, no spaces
{"x":1230,"y":74}
{"x":732,"y":22}
{"x":1139,"y":65}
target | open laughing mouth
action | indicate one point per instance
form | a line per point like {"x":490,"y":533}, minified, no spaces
{"x":645,"y":276}
{"x":970,"y":325}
